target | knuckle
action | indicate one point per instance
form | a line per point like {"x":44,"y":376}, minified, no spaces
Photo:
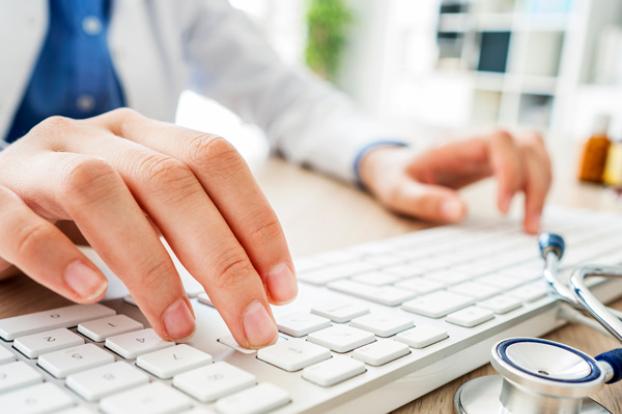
{"x":268,"y":229}
{"x":29,"y":236}
{"x":51,"y":127}
{"x":163,"y":170}
{"x":125,"y":114}
{"x":204,"y":149}
{"x":503,"y":135}
{"x":123,"y":118}
{"x":55,"y":123}
{"x":168,"y":176}
{"x":233,"y":270}
{"x":88,"y":181}
{"x":154,"y":274}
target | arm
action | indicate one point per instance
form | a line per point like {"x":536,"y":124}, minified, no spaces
{"x":306,"y":120}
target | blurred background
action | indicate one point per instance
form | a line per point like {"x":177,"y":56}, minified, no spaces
{"x":429,"y":66}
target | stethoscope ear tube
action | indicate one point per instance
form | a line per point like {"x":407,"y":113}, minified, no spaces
{"x":614,"y":359}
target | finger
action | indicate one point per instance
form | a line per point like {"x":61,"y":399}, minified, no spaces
{"x":230,"y":184}
{"x":537,"y":184}
{"x":92,"y":194}
{"x":427,"y":202}
{"x":174,"y":199}
{"x":45,"y":254}
{"x":506,"y":163}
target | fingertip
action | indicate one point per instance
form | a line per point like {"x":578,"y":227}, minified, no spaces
{"x":87,"y":283}
{"x":453,"y":210}
{"x":532,"y":223}
{"x":281,"y":283}
{"x":178,"y":320}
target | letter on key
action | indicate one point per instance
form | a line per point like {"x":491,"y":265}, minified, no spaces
{"x":67,"y":361}
{"x":105,"y":380}
{"x":293,"y":355}
{"x":132,"y":344}
{"x":100,"y":329}
{"x":40,"y":343}
{"x":170,"y":361}
{"x":65,"y":317}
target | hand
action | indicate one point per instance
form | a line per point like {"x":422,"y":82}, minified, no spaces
{"x":123,"y":180}
{"x":424,"y":185}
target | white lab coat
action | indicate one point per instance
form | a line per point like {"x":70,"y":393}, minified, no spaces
{"x":161,"y":47}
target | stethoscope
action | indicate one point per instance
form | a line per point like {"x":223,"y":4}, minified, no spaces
{"x":546,"y":377}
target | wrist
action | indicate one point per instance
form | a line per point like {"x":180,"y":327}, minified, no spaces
{"x":366,"y":161}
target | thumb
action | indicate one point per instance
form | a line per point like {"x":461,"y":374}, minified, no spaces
{"x":428,"y":202}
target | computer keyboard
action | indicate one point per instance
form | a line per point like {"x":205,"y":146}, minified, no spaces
{"x":374,"y":327}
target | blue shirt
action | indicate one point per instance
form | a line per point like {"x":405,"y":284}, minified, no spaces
{"x":74,"y":75}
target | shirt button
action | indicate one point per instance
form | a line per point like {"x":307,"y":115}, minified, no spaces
{"x":91,"y":25}
{"x":85,"y":103}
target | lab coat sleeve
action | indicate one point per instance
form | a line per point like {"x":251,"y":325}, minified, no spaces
{"x":305,"y":119}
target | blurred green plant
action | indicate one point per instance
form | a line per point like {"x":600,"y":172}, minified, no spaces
{"x":327,"y":24}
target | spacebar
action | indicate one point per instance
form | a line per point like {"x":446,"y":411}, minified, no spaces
{"x":65,"y":317}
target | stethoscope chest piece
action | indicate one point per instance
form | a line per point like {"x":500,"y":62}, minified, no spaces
{"x":536,"y":376}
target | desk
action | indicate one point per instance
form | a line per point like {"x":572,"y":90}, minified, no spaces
{"x":302,"y":201}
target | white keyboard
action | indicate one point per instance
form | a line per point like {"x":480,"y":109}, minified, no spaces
{"x":375,"y":326}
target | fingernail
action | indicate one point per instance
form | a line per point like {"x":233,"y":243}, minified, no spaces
{"x":178,"y":320}
{"x":83,"y":280}
{"x":282,"y":283}
{"x":258,"y":325}
{"x":452,"y":210}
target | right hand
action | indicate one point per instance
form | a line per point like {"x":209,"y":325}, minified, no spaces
{"x":124,"y":179}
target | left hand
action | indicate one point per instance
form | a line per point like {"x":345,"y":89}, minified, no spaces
{"x":424,"y":185}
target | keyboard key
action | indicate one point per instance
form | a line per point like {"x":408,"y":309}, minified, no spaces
{"x":381,"y":352}
{"x":100,"y":382}
{"x":257,"y":400}
{"x":376,"y":278}
{"x":340,"y":312}
{"x":333,"y":371}
{"x":100,"y":329}
{"x":475,"y":290}
{"x":132,"y":344}
{"x":173,"y":360}
{"x":301,"y":324}
{"x":405,"y":271}
{"x":530,"y":292}
{"x":230,"y":341}
{"x":6,"y":355}
{"x":154,"y":398}
{"x":501,"y":281}
{"x":199,"y":410}
{"x":332,"y":273}
{"x":384,"y":295}
{"x":448,"y":276}
{"x":501,"y":304}
{"x":40,"y":398}
{"x":36,"y":344}
{"x":383,"y":325}
{"x":470,"y":317}
{"x":65,"y":317}
{"x":293,"y":355}
{"x":420,"y":285}
{"x":215,"y":381}
{"x":437,"y":304}
{"x":75,"y":410}
{"x":78,"y":358}
{"x":341,"y":338}
{"x":383,"y":260}
{"x":16,"y":375}
{"x":421,"y":336}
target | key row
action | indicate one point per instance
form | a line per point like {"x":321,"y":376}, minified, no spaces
{"x":153,"y":398}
